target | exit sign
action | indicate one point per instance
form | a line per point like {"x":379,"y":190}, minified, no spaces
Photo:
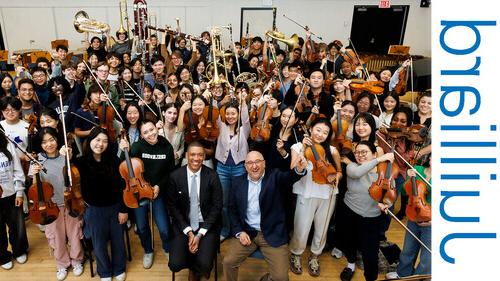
{"x":384,"y":4}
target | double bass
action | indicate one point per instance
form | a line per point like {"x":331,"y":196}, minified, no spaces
{"x":42,"y":210}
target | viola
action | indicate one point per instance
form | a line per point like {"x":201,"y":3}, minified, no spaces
{"x":340,"y":140}
{"x":73,"y":198}
{"x":418,"y":209}
{"x":42,"y":210}
{"x":138,"y":192}
{"x":106,"y":115}
{"x":191,"y":124}
{"x":210,"y":131}
{"x":383,"y":190}
{"x":261,"y":129}
{"x":311,"y":55}
{"x":416,"y":133}
{"x":350,"y":56}
{"x":401,"y":86}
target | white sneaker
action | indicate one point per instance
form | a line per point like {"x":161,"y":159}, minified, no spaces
{"x":22,"y":258}
{"x":336,"y":253}
{"x":61,"y":274}
{"x":392,"y":275}
{"x":77,"y":269}
{"x":121,"y":277}
{"x":106,"y":279}
{"x":8,"y":265}
{"x":147,"y":260}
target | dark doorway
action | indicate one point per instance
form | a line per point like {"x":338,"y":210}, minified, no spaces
{"x":2,"y":45}
{"x":375,"y":29}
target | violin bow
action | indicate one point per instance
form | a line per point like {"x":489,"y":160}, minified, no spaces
{"x":140,"y":98}
{"x":83,"y":118}
{"x":161,"y":118}
{"x":296,"y":103}
{"x":409,"y":231}
{"x":273,"y":53}
{"x":359,"y":59}
{"x":103,"y":91}
{"x":22,"y":150}
{"x":68,"y":164}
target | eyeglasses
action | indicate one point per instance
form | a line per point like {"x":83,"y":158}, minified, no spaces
{"x":26,"y":90}
{"x":251,"y":163}
{"x":361,"y":153}
{"x":102,"y":71}
{"x":38,"y":76}
{"x":9,"y":110}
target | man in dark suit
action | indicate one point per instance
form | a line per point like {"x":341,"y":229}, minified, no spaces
{"x":194,"y":200}
{"x":257,"y":215}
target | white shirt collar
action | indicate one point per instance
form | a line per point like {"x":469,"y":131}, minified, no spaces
{"x":190,"y":173}
{"x":258,"y":181}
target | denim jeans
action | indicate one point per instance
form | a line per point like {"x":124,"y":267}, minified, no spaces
{"x":410,"y":251}
{"x":226,"y":174}
{"x":162,"y":221}
{"x":103,"y":226}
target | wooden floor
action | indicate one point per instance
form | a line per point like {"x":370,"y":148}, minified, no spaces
{"x":41,"y":266}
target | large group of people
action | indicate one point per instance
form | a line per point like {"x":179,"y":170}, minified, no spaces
{"x":266,"y":146}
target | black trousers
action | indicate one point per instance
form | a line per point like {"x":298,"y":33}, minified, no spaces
{"x":201,"y":262}
{"x":12,"y":217}
{"x":361,"y":233}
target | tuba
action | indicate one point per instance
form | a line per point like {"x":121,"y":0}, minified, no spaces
{"x":82,"y":24}
{"x":292,"y":42}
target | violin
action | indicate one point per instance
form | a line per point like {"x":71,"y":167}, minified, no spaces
{"x":416,"y":133}
{"x":42,"y":210}
{"x":32,"y":119}
{"x":340,"y":141}
{"x":210,"y":131}
{"x":261,"y":129}
{"x":322,"y":169}
{"x":73,"y":199}
{"x":401,"y":86}
{"x":106,"y":115}
{"x":418,"y":209}
{"x":191,"y":125}
{"x":138,"y":192}
{"x":373,"y":87}
{"x":311,"y":55}
{"x":383,"y":190}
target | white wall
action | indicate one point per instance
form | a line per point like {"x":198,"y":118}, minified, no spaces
{"x":30,"y":24}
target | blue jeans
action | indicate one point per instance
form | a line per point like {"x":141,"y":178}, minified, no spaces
{"x":226,"y":174}
{"x":103,"y":226}
{"x":162,"y":220}
{"x":410,"y":251}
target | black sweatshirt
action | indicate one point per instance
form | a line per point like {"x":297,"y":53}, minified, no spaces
{"x":101,"y":182}
{"x":158,"y":161}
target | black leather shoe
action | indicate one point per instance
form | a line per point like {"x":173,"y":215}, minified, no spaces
{"x":346,"y":274}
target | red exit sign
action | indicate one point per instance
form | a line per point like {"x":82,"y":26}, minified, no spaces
{"x":384,"y":4}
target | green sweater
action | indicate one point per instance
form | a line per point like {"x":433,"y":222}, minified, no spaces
{"x":158,"y":161}
{"x":420,"y":170}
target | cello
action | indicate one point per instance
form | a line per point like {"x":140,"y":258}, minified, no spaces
{"x":138,"y":192}
{"x":42,"y":210}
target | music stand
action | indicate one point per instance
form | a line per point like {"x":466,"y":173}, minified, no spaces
{"x":399,"y":50}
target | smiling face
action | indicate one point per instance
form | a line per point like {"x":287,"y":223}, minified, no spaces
{"x":6,"y":83}
{"x":255,"y":165}
{"x":363,"y":154}
{"x":127,"y":75}
{"x":363,"y":129}
{"x":231,"y":115}
{"x":316,"y":80}
{"x":319,"y":133}
{"x":49,"y":144}
{"x":195,"y":156}
{"x":197,"y":106}
{"x":286,"y":115}
{"x":425,"y":105}
{"x":149,"y":133}
{"x":390,"y":103}
{"x":132,"y":115}
{"x":26,"y":92}
{"x":48,"y":121}
{"x":99,"y":144}
{"x":363,"y":104}
{"x":399,"y":120}
{"x":385,"y":76}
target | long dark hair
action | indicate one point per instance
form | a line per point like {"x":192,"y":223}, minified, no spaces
{"x":87,"y":151}
{"x":326,"y":143}
{"x":2,"y":77}
{"x":370,"y":120}
{"x":126,"y":123}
